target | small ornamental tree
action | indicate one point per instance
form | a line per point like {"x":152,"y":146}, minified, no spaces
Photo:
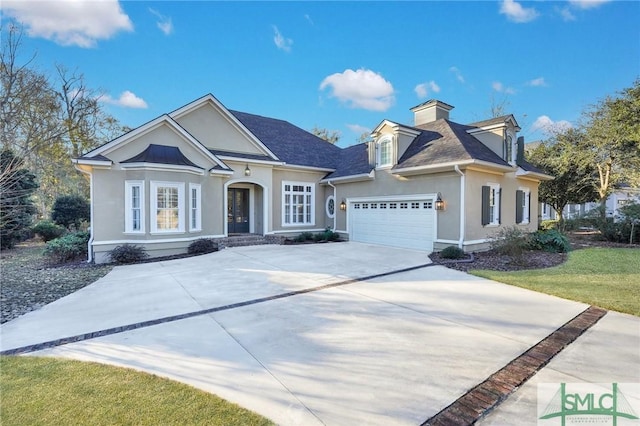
{"x":70,"y":210}
{"x":17,"y":184}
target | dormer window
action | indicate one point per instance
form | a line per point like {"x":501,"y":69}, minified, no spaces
{"x":385,"y":152}
{"x":508,"y":149}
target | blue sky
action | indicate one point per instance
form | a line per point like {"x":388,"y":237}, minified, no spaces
{"x":344,"y":66}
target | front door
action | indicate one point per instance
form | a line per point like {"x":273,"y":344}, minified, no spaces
{"x":238,"y":211}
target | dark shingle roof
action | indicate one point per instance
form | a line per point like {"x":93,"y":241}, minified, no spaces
{"x":490,"y":121}
{"x":354,"y":160}
{"x":98,"y":157}
{"x":528,"y":167}
{"x":290,"y":143}
{"x":443,"y":141}
{"x":162,"y":154}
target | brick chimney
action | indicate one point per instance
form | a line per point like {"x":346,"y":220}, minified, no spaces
{"x":429,"y":111}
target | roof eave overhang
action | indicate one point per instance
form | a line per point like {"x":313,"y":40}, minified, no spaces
{"x":214,"y":172}
{"x":93,"y":163}
{"x":162,"y":167}
{"x":285,"y":166}
{"x":249,"y":160}
{"x":524,"y":174}
{"x":353,"y":178}
{"x":397,"y":128}
{"x":445,"y":167}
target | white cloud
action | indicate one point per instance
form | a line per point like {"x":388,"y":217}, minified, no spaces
{"x":537,"y":82}
{"x":164,"y":23}
{"x":282,"y":42}
{"x":422,"y":89}
{"x":588,"y":4}
{"x":516,"y":13}
{"x":127,"y":99}
{"x":457,"y":73}
{"x":499,"y":87}
{"x":360,"y":89}
{"x":70,"y":23}
{"x":548,"y":126}
{"x":358,"y":129}
{"x":566,"y":14}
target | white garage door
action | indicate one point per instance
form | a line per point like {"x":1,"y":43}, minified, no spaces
{"x":402,"y":223}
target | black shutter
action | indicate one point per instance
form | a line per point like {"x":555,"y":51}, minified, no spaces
{"x":529,"y":205}
{"x":486,"y":193}
{"x":500,"y":206}
{"x":519,"y":200}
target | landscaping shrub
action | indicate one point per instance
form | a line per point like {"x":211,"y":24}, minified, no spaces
{"x":511,"y":241}
{"x":305,"y":236}
{"x":326,"y":235}
{"x":549,"y":224}
{"x":453,"y":252}
{"x":48,"y":230}
{"x":67,"y":248}
{"x":70,"y":210}
{"x":551,"y":241}
{"x":620,"y":232}
{"x":202,"y":246}
{"x":128,"y":253}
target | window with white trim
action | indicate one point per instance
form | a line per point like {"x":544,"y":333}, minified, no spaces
{"x":523,"y":200}
{"x":134,"y":206}
{"x":491,"y":204}
{"x":167,"y":207}
{"x":385,"y":152}
{"x":298,"y":203}
{"x":507,"y":150}
{"x":195,"y":211}
{"x":330,"y":206}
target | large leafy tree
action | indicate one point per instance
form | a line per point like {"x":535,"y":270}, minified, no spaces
{"x":48,"y":121}
{"x":611,"y":142}
{"x":562,"y":158}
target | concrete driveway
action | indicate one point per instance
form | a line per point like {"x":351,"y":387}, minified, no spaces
{"x":330,"y":347}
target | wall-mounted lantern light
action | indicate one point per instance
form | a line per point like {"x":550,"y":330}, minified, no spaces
{"x":439,"y":203}
{"x":247,"y":171}
{"x":343,"y":205}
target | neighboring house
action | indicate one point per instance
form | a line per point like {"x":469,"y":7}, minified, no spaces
{"x":621,"y":197}
{"x":203,"y":171}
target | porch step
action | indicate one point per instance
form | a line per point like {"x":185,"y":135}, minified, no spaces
{"x":247,"y":240}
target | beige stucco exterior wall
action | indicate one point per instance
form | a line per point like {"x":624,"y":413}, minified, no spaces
{"x":493,"y":139}
{"x":388,"y":184}
{"x":309,"y":178}
{"x":226,"y":137}
{"x":475,"y":231}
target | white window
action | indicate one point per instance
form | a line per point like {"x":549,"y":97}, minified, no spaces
{"x":491,"y":204}
{"x":195,"y":212}
{"x":298,"y":203}
{"x":523,"y":197}
{"x":385,"y":152}
{"x":167,"y":207}
{"x":330,"y":206}
{"x":134,"y":206}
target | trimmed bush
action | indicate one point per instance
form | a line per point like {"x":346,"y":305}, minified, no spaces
{"x":326,"y":235}
{"x":67,"y":248}
{"x":305,"y":236}
{"x":453,"y":252}
{"x":509,"y":241}
{"x":47,"y":230}
{"x":202,"y":246}
{"x":551,"y":241}
{"x":128,"y":253}
{"x":70,"y":210}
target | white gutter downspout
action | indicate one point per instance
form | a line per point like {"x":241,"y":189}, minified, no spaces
{"x":90,"y":243}
{"x":462,"y":212}
{"x":335,"y":204}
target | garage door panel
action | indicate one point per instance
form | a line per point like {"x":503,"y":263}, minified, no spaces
{"x":398,"y":223}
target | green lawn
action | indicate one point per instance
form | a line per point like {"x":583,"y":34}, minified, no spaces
{"x":49,"y":391}
{"x":605,"y":277}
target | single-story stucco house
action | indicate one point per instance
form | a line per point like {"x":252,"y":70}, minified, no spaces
{"x":204,"y":171}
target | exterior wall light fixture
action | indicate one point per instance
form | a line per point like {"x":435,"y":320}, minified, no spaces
{"x":343,"y":205}
{"x":247,"y":171}
{"x":439,"y":202}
